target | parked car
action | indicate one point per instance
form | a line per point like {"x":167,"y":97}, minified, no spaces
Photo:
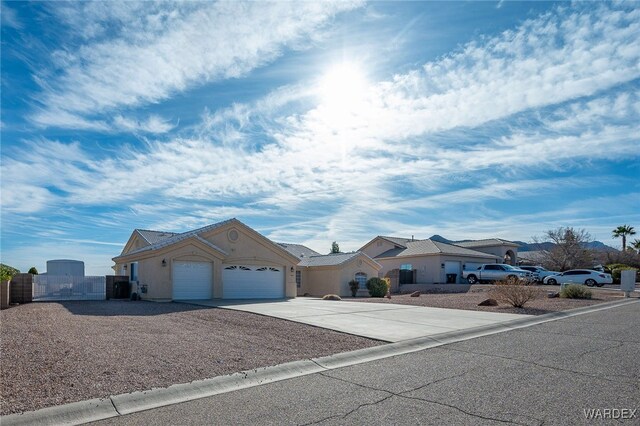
{"x":495,"y":272}
{"x":539,"y":273}
{"x":580,"y":276}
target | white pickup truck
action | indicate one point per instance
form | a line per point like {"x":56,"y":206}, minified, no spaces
{"x":496,"y":272}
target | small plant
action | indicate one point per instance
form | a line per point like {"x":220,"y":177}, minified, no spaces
{"x":515,"y":293}
{"x":331,"y":297}
{"x":377,"y":287}
{"x":575,"y":291}
{"x":7,"y":272}
{"x":353,"y":286}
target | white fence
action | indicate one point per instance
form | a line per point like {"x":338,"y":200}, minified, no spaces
{"x":63,"y":287}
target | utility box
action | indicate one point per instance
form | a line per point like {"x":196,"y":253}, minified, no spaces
{"x":627,"y":281}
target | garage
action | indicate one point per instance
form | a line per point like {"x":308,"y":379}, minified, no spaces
{"x":252,"y":282}
{"x":192,"y":280}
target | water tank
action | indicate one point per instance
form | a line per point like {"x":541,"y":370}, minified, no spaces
{"x":65,"y":267}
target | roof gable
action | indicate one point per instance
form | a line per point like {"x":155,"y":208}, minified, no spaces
{"x":487,"y":243}
{"x":298,"y":250}
{"x":429,"y":247}
{"x":336,"y":259}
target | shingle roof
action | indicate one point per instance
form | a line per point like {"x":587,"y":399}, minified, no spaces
{"x":397,"y":240}
{"x":487,"y":242}
{"x":179,"y":237}
{"x":298,"y":250}
{"x":430,"y":247}
{"x":328,"y":259}
{"x":153,"y":237}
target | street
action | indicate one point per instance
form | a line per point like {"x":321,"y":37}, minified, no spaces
{"x":553,"y":373}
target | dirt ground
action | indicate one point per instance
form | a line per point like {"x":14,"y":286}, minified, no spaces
{"x":56,"y":353}
{"x":478,"y":293}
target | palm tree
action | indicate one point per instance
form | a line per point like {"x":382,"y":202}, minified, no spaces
{"x":623,"y":231}
{"x":636,"y":245}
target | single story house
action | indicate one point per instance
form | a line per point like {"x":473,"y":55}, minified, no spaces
{"x":226,"y":260}
{"x":230,"y":260}
{"x":409,"y":261}
{"x":506,"y":250}
{"x":318,"y":274}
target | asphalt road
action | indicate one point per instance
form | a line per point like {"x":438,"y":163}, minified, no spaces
{"x":544,"y":374}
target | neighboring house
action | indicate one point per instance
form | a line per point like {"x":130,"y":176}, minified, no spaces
{"x":506,"y":250}
{"x":409,"y":261}
{"x":225,"y":260}
{"x":533,"y":257}
{"x":318,"y":274}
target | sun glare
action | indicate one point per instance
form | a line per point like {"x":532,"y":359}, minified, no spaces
{"x":343,"y":86}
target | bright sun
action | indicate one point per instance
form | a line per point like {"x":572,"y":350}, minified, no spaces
{"x":343,"y":86}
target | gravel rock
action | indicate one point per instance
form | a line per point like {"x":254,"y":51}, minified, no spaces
{"x":488,"y":302}
{"x":56,"y":353}
{"x":415,"y":294}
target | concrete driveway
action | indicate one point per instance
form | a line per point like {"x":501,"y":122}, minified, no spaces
{"x":386,"y":322}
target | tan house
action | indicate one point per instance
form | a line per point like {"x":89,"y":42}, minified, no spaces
{"x":225,"y":260}
{"x":505,"y":250}
{"x":409,"y":261}
{"x":318,"y":274}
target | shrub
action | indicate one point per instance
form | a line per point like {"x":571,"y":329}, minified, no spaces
{"x":575,"y":291}
{"x":515,"y":293}
{"x":377,"y":287}
{"x":616,"y":271}
{"x":331,"y":297}
{"x":353,"y":286}
{"x":33,"y":271}
{"x":7,"y":272}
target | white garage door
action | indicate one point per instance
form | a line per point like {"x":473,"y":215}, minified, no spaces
{"x":192,"y":280}
{"x":252,"y":282}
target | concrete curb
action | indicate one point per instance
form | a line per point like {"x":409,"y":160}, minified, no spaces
{"x":98,"y":409}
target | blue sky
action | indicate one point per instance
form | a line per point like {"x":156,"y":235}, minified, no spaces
{"x":315,"y":122}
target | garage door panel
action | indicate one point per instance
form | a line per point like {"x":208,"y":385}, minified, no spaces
{"x":252,"y":282}
{"x":192,"y":280}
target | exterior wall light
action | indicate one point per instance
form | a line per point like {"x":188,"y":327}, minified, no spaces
{"x":164,"y":262}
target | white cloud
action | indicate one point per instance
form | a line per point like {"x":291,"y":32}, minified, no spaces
{"x":9,"y":17}
{"x":189,"y":46}
{"x":153,"y":124}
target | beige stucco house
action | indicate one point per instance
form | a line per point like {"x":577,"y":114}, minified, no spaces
{"x":505,"y":250}
{"x":224,"y":260}
{"x":409,"y":261}
{"x":318,"y":274}
{"x":230,"y":260}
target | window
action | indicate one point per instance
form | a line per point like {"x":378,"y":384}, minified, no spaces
{"x":492,"y":268}
{"x":133,"y":273}
{"x":298,"y":279}
{"x":361,"y":277}
{"x":406,"y":267}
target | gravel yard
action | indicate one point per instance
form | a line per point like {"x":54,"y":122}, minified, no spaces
{"x":478,"y":293}
{"x":56,"y":353}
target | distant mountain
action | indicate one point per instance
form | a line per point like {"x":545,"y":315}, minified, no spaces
{"x":594,"y":245}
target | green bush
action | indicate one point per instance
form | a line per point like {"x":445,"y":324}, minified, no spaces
{"x":377,"y":287}
{"x":575,"y":291}
{"x":616,"y":271}
{"x":7,"y":272}
{"x":353,"y":286}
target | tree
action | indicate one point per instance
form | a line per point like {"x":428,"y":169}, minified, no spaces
{"x":623,"y":231}
{"x":636,"y":245}
{"x":335,"y":248}
{"x":569,"y":251}
{"x":7,"y":272}
{"x":33,"y":270}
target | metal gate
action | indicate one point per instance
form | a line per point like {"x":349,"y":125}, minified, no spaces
{"x":64,"y":287}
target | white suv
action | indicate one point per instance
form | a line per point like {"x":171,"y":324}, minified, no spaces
{"x":539,"y":273}
{"x":580,"y":276}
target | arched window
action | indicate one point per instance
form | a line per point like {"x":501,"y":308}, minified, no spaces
{"x":361,"y":277}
